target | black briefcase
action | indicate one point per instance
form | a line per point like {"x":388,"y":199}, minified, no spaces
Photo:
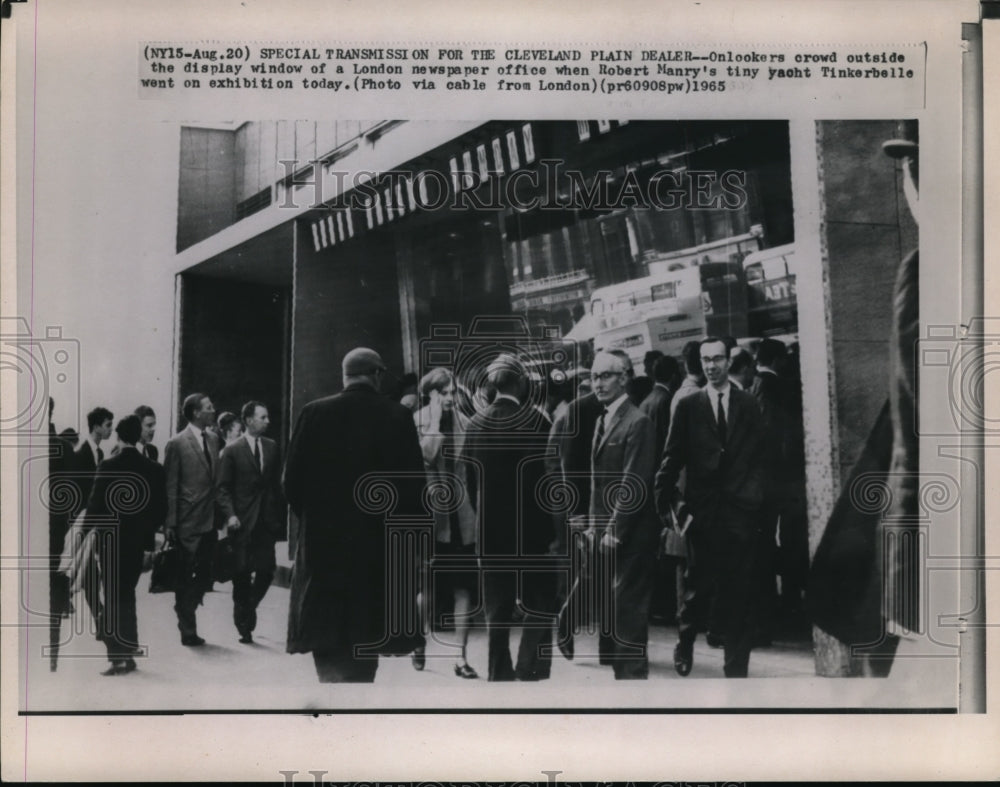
{"x":166,"y":571}
{"x":223,"y":560}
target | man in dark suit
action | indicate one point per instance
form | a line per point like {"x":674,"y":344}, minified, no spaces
{"x":60,"y":464}
{"x":771,"y":393}
{"x":339,"y":606}
{"x":656,"y":406}
{"x":666,"y":373}
{"x":89,"y":454}
{"x":569,"y":440}
{"x":716,"y":436}
{"x":86,"y":459}
{"x":127,"y":504}
{"x":507,"y":440}
{"x":254,"y":511}
{"x":623,"y":517}
{"x":190,"y":460}
{"x":145,"y":445}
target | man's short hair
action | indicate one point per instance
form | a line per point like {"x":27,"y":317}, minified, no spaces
{"x":226,"y":421}
{"x":692,"y":358}
{"x":98,"y":416}
{"x":771,"y":350}
{"x":249,"y":409}
{"x":192,"y":403}
{"x":505,"y":373}
{"x":437,"y":379}
{"x":665,"y":369}
{"x":129,"y":429}
{"x":144,"y":411}
{"x":713,"y":340}
{"x":623,"y":357}
{"x":740,"y":360}
{"x":362,"y":362}
{"x":408,"y":380}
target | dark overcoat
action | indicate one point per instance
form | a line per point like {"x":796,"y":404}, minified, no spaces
{"x":339,"y":579}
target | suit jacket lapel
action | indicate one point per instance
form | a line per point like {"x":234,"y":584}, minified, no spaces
{"x":269,"y":451}
{"x":249,"y":453}
{"x":610,"y":427}
{"x":735,"y":414}
{"x":711,"y":405}
{"x":198,"y":449}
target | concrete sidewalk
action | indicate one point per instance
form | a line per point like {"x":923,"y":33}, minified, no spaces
{"x":227,"y":675}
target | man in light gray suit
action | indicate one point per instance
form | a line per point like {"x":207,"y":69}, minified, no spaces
{"x":623,"y":462}
{"x":190,"y":460}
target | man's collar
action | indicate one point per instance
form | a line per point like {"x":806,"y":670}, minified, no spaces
{"x":506,"y":396}
{"x":766,"y":370}
{"x":725,"y":390}
{"x":195,"y":429}
{"x":664,"y":386}
{"x":612,"y":408}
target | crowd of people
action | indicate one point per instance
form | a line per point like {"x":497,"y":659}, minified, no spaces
{"x":552,"y":499}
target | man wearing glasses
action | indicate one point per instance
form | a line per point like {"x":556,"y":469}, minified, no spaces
{"x":623,"y":461}
{"x":717,"y":436}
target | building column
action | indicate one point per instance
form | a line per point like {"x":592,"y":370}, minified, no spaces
{"x":819,"y":412}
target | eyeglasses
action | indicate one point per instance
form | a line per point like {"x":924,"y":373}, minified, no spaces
{"x":716,"y":359}
{"x":605,"y":376}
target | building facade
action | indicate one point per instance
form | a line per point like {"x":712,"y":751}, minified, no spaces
{"x":298,"y":240}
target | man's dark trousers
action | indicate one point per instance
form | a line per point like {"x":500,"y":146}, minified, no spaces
{"x":722,"y":580}
{"x":195,"y":579}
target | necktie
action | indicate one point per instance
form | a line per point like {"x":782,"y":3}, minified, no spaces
{"x":722,"y":422}
{"x":204,"y":447}
{"x":256,"y":455}
{"x":599,"y":431}
{"x":147,"y":452}
{"x":100,"y":455}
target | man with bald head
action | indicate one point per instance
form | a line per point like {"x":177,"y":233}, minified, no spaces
{"x":339,"y":608}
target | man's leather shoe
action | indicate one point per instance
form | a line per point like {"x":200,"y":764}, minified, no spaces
{"x":192,"y":640}
{"x":118,"y":668}
{"x":465,"y":671}
{"x":714,"y":640}
{"x":683,"y":658}
{"x":418,"y":658}
{"x":247,"y":638}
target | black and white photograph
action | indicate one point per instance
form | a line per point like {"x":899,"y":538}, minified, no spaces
{"x":326,"y":405}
